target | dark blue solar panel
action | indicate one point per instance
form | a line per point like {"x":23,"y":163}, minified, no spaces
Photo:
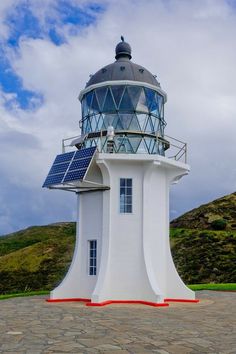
{"x":59,"y":168}
{"x":54,"y":179}
{"x":70,"y":166}
{"x":78,"y":164}
{"x":80,"y":154}
{"x":75,"y":175}
{"x":64,"y":157}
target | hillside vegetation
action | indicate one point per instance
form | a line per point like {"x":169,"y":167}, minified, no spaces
{"x":38,"y":258}
{"x":217,"y":215}
{"x":204,"y":256}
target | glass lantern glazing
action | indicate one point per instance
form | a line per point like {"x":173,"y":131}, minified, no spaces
{"x":135,"y":112}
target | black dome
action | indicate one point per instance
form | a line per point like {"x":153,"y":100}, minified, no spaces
{"x":123,"y":69}
{"x":123,"y":49}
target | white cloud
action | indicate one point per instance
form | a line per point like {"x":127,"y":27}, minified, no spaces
{"x":5,"y":6}
{"x":189,"y":45}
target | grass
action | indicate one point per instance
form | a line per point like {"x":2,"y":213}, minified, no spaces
{"x":30,"y":293}
{"x":218,"y":287}
{"x":195,"y":287}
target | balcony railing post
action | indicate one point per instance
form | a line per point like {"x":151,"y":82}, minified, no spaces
{"x":185,"y":153}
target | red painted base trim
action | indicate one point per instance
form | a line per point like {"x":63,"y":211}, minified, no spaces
{"x":69,"y":299}
{"x":181,"y":300}
{"x":109,"y":302}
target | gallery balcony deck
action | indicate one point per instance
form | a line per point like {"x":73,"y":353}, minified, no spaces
{"x":132,"y":142}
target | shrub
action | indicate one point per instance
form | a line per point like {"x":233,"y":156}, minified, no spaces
{"x":219,"y":224}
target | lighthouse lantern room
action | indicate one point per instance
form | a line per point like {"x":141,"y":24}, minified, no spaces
{"x":121,"y":168}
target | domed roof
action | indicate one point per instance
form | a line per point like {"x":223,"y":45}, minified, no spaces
{"x":123,"y":69}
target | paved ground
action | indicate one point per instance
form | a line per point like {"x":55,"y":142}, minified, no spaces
{"x":33,"y":326}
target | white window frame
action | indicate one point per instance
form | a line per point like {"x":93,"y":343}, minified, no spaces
{"x":126,"y":195}
{"x":92,"y":257}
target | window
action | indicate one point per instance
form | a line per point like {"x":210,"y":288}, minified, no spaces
{"x":126,"y":195}
{"x":92,"y":257}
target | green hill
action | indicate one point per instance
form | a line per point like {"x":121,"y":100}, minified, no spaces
{"x":204,"y":256}
{"x":38,"y":258}
{"x":217,"y":215}
{"x":201,"y":254}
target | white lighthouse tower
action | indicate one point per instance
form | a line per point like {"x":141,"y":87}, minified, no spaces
{"x":121,"y":174}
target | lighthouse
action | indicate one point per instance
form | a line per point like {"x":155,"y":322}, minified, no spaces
{"x":121,"y":168}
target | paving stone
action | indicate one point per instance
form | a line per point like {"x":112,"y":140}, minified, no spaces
{"x":200,"y":341}
{"x":120,"y":351}
{"x":33,"y":326}
{"x":9,"y":346}
{"x":177,"y":349}
{"x":15,"y":352}
{"x":108,"y":347}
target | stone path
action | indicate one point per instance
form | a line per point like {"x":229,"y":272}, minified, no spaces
{"x":33,"y":326}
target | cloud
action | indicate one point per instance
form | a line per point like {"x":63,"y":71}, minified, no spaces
{"x":191,"y":48}
{"x":5,"y":6}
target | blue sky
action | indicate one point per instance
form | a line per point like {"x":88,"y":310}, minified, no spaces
{"x":49,"y":48}
{"x":23,"y":23}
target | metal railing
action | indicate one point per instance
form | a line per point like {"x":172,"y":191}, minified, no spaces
{"x":176,"y":149}
{"x":66,"y":143}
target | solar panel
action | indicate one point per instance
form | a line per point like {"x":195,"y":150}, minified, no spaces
{"x":54,"y":179}
{"x":88,"y":152}
{"x":75,"y":175}
{"x":79,"y":164}
{"x":59,"y":168}
{"x":70,"y":166}
{"x":64,"y":157}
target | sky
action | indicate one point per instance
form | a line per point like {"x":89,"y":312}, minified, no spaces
{"x":48,"y":49}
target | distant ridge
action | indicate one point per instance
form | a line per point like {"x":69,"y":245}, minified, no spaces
{"x":218,"y":214}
